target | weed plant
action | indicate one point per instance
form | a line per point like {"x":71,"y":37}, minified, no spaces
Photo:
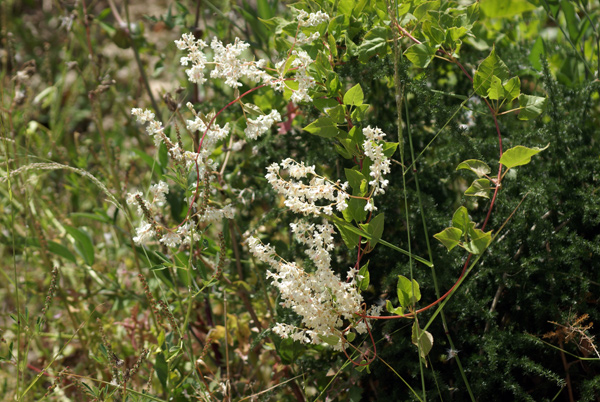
{"x":132,"y":271}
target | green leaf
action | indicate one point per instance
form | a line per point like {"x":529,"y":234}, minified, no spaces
{"x":519,"y":156}
{"x":354,"y":96}
{"x":358,"y":113}
{"x":420,"y":54}
{"x":422,"y":340}
{"x":479,"y":188}
{"x":496,"y":90}
{"x":289,"y":350}
{"x":163,"y":155}
{"x":531,"y":106}
{"x":355,"y":179}
{"x":323,"y":127}
{"x":476,"y":166}
{"x":83,"y":244}
{"x":349,"y":146}
{"x":374,"y":42}
{"x":337,"y":113}
{"x":162,"y":369}
{"x":512,"y":89}
{"x":333,"y":84}
{"x":332,"y":45}
{"x":355,"y":210}
{"x":450,"y":237}
{"x":325,"y":103}
{"x":343,"y":151}
{"x":421,"y":11}
{"x":393,"y":310}
{"x":408,"y":291}
{"x":389,"y":149}
{"x":374,"y":228}
{"x":350,"y":238}
{"x":62,"y":251}
{"x":461,"y":220}
{"x":537,"y":50}
{"x":571,"y":19}
{"x":332,"y":340}
{"x":491,"y":66}
{"x":362,"y":233}
{"x":479,"y":241}
{"x":363,"y":283}
{"x":350,"y":336}
{"x":433,"y":32}
{"x":505,"y":8}
{"x":162,"y":272}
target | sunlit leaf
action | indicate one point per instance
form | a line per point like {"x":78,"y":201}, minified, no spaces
{"x":490,"y":67}
{"x":450,"y":237}
{"x":422,"y":339}
{"x":496,"y":90}
{"x":408,"y":291}
{"x":531,"y":106}
{"x":323,"y":127}
{"x":374,"y":228}
{"x":420,"y":54}
{"x":519,"y":155}
{"x":363,"y":282}
{"x":476,"y":166}
{"x":461,"y":220}
{"x":354,"y":96}
{"x":512,"y":88}
{"x":479,"y":241}
{"x":479,"y":188}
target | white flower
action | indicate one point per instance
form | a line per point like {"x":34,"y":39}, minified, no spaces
{"x":159,"y":191}
{"x":302,"y":198}
{"x":171,"y":239}
{"x":370,"y":206}
{"x":381,"y":164}
{"x":154,"y":126}
{"x":259,"y":126}
{"x":143,"y":233}
{"x":308,"y":20}
{"x":304,"y":80}
{"x":321,"y":298}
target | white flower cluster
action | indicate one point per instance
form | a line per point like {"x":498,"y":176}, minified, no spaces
{"x":229,"y":66}
{"x":154,"y":126}
{"x":304,"y":80}
{"x":195,"y":56}
{"x":301,"y":198}
{"x":259,"y":126}
{"x":155,"y":129}
{"x":149,"y":211}
{"x":321,"y":298}
{"x":373,"y":148}
{"x":302,"y":39}
{"x":227,"y":60}
{"x":214,"y":134}
{"x":309,"y":20}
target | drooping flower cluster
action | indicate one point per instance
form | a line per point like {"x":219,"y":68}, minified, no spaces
{"x":373,"y":147}
{"x":262,"y":124}
{"x":302,"y":198}
{"x":303,"y":78}
{"x":321,"y":298}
